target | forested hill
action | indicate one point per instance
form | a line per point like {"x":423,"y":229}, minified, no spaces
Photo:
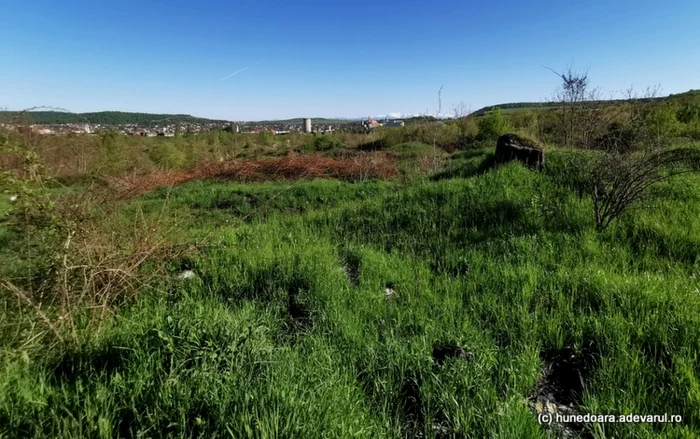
{"x":102,"y":117}
{"x":688,"y":98}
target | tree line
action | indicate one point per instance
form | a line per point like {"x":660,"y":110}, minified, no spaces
{"x":102,"y":117}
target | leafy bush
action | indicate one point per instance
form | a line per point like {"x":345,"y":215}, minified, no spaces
{"x":395,"y":136}
{"x":167,"y":155}
{"x":266,"y":138}
{"x":691,"y":130}
{"x":689,"y":114}
{"x":325,"y":143}
{"x":492,"y":126}
{"x":467,"y":130}
{"x":114,"y":159}
{"x":689,"y":118}
{"x":663,"y":122}
{"x":618,"y":138}
{"x":525,"y":121}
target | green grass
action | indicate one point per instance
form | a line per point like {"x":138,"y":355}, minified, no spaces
{"x":5,"y":207}
{"x":287,"y":330}
{"x":204,"y":206}
{"x":411,"y":150}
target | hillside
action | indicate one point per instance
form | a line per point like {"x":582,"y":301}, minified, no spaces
{"x":689,"y":97}
{"x":383,"y":310}
{"x":102,"y":117}
{"x":397,"y":284}
{"x":124,"y":118}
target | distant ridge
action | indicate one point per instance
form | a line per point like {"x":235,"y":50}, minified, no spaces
{"x":102,"y":117}
{"x":691,"y":96}
{"x":314,"y":121}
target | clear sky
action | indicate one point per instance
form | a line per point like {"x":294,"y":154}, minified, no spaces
{"x":256,"y":59}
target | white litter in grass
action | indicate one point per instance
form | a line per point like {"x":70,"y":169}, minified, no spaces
{"x":13,"y":198}
{"x":187,"y":274}
{"x":389,"y":292}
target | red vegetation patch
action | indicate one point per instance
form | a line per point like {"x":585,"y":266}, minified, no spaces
{"x":292,"y":167}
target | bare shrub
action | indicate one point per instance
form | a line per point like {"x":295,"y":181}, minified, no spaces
{"x":617,"y":181}
{"x":436,"y":128}
{"x":96,"y":266}
{"x":633,"y":139}
{"x":82,"y":260}
{"x":579,"y":110}
{"x":431,"y":163}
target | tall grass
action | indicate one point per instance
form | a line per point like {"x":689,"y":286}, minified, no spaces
{"x":321,"y":314}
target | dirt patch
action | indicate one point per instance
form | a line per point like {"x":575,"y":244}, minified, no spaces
{"x":298,"y":311}
{"x":566,"y":372}
{"x":562,"y":384}
{"x":445,"y":351}
{"x":411,"y":404}
{"x":299,"y":316}
{"x":351,"y":263}
{"x":414,"y":423}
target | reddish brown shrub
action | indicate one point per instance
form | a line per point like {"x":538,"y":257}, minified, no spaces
{"x":292,"y":167}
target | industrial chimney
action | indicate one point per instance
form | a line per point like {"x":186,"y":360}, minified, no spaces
{"x":307,"y":125}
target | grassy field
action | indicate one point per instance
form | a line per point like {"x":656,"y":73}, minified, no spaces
{"x":454,"y":305}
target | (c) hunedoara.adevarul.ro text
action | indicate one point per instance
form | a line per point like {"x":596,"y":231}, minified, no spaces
{"x":560,"y":418}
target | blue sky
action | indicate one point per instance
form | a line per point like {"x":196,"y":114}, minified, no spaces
{"x":333,"y":59}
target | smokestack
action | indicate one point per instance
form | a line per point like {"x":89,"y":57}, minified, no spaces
{"x":307,"y":125}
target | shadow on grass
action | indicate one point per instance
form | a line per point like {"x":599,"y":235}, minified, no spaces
{"x":375,"y":145}
{"x":352,"y":262}
{"x":201,"y":420}
{"x":466,"y":170}
{"x":409,"y":412}
{"x":277,"y":287}
{"x":643,"y":239}
{"x":412,"y":407}
{"x":83,"y":363}
{"x":467,"y":154}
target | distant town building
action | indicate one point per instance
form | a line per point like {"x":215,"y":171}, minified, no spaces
{"x":174,"y":129}
{"x":371,"y":123}
{"x":394,"y":123}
